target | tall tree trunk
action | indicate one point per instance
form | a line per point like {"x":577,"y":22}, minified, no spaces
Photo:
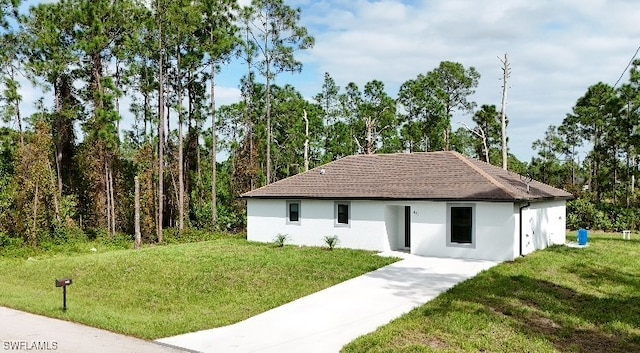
{"x":269,"y":137}
{"x":160,"y":132}
{"x":34,"y":231}
{"x":59,"y":168}
{"x":58,"y":140}
{"x":108,"y":194}
{"x":306,"y":142}
{"x":146,"y":114}
{"x":198,"y":165}
{"x":252,"y":158}
{"x":615,"y":177}
{"x":268,"y":105}
{"x":116,"y":96}
{"x":596,"y":164}
{"x":112,"y":202}
{"x":214,"y":149}
{"x":573,"y":166}
{"x":136,"y":217}
{"x":56,"y":205}
{"x":248,"y":111}
{"x":192,"y":98}
{"x":627,"y":154}
{"x":506,"y":72}
{"x":180,"y":148}
{"x":176,"y":191}
{"x":168,"y":119}
{"x":147,"y":106}
{"x":370,"y":142}
{"x":16,"y":105}
{"x":98,"y":94}
{"x":98,"y":100}
{"x":447,"y":134}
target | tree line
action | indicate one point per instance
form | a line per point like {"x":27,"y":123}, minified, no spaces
{"x":68,"y":169}
{"x":594,"y":153}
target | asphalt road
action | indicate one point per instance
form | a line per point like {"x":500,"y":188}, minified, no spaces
{"x":24,"y":332}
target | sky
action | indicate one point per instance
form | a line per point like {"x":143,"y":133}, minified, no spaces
{"x":557,"y":49}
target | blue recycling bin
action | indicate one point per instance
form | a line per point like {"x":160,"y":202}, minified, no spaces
{"x":583,"y":236}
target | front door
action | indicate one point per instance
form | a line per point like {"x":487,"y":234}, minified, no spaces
{"x":407,"y":226}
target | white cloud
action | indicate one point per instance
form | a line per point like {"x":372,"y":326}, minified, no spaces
{"x":227,"y":95}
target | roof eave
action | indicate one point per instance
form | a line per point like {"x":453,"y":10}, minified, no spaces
{"x":378,"y":198}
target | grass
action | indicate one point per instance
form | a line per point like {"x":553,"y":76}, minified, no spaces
{"x":560,"y":299}
{"x":168,"y":290}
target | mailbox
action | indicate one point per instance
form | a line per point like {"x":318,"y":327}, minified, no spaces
{"x":63,"y":282}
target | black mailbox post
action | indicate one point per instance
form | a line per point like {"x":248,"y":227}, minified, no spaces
{"x":64,"y":283}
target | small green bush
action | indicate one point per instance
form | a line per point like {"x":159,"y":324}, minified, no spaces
{"x":10,"y":242}
{"x":280,"y":240}
{"x":626,"y":219}
{"x":228,"y":219}
{"x":188,"y":235}
{"x":14,"y":247}
{"x":63,"y":234}
{"x":331,"y":241}
{"x":118,"y":241}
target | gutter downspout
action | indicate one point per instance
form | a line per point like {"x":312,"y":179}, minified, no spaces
{"x":521,"y":208}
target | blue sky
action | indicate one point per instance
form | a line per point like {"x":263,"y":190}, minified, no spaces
{"x":557,"y":49}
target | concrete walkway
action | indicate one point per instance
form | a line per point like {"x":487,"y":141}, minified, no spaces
{"x":327,"y":320}
{"x":24,"y":332}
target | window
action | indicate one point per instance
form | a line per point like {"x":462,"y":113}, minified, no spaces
{"x":293,"y":212}
{"x":342,"y":213}
{"x":460,"y":227}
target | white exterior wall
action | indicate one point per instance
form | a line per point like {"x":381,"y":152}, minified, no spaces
{"x":494,"y":230}
{"x":394,"y":226}
{"x":379,"y":225}
{"x":544,"y":224}
{"x":366,"y":230}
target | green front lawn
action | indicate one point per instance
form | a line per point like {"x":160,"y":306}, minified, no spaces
{"x":168,"y":290}
{"x":560,"y":299}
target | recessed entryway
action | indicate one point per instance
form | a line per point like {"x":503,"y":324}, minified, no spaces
{"x":398,"y":226}
{"x":407,"y":227}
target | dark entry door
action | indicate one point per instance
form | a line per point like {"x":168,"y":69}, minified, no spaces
{"x":407,"y":226}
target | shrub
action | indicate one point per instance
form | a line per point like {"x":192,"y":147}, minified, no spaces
{"x":67,"y":233}
{"x":188,"y":235}
{"x":582,"y":213}
{"x":280,"y":240}
{"x":331,"y":241}
{"x":228,"y":219}
{"x":14,"y":247}
{"x":7,"y":241}
{"x":118,"y":241}
{"x":626,"y":218}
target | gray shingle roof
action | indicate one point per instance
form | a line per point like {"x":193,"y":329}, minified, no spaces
{"x":421,"y":176}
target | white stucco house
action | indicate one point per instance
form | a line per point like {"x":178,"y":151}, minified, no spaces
{"x":434,"y":204}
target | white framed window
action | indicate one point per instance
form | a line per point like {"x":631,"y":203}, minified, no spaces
{"x":342,"y":213}
{"x":293,"y":211}
{"x":461,"y":225}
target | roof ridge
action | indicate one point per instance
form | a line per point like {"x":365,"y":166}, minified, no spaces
{"x":485,"y":174}
{"x":385,"y":154}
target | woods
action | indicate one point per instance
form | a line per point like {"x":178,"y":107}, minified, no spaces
{"x":594,"y":154}
{"x":68,"y":170}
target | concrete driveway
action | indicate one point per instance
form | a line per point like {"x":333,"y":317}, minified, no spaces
{"x":327,"y":320}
